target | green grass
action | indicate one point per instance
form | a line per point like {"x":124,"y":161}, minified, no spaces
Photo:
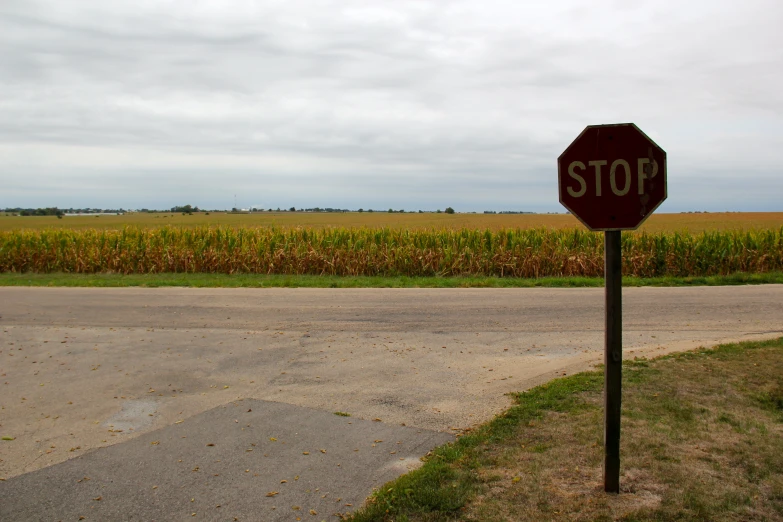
{"x":314,"y":281}
{"x":447,"y":480}
{"x":701,"y":441}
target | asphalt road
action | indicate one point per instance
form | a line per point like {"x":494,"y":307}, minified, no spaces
{"x":83,"y":370}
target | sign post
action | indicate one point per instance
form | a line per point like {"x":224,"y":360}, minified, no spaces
{"x":612,"y":177}
{"x":613,"y":358}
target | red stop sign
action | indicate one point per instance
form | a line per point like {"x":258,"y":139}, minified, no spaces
{"x":612,"y":177}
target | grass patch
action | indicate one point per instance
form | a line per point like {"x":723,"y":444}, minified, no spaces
{"x":199,"y":280}
{"x":702,"y":439}
{"x":342,"y":414}
{"x":771,"y":399}
{"x":441,"y":487}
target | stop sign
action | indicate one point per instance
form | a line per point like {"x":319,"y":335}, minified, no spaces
{"x":612,"y":177}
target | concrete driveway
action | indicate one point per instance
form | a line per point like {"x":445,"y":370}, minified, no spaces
{"x":87,"y":368}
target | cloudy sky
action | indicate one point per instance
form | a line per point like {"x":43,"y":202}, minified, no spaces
{"x":378,"y":104}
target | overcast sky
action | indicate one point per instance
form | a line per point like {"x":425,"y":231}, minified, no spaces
{"x":378,"y":104}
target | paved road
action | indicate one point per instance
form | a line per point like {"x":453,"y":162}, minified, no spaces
{"x":89,"y":368}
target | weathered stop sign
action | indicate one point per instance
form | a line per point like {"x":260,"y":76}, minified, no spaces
{"x":612,"y":177}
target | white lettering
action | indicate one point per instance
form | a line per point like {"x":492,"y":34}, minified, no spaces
{"x":613,"y":181}
{"x":571,"y":172}
{"x":597,"y":164}
{"x":643,"y":171}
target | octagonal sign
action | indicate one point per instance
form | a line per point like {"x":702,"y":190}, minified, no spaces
{"x":612,"y":177}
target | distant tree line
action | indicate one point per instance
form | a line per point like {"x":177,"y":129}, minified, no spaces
{"x":185,"y":209}
{"x":508,"y":212}
{"x":55,"y":211}
{"x":448,"y":210}
{"x":48,"y":211}
{"x":190,"y":209}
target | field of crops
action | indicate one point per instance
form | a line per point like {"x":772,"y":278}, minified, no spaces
{"x":659,"y":222}
{"x":526,"y":253}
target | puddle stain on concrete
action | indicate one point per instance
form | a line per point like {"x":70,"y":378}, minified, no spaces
{"x":134,"y":415}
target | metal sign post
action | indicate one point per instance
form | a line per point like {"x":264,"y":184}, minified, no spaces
{"x":613,"y":358}
{"x":612,"y":177}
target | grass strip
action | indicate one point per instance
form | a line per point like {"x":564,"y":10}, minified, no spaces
{"x":702,"y":440}
{"x":200,"y":280}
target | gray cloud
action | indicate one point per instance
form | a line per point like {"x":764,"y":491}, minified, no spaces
{"x":358,"y":104}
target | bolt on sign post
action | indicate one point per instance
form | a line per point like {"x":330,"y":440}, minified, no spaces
{"x":612,"y":177}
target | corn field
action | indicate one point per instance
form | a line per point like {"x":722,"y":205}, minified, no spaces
{"x":528,"y":253}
